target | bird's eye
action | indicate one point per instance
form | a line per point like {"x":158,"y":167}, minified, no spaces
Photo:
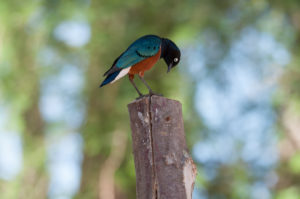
{"x":175,"y":59}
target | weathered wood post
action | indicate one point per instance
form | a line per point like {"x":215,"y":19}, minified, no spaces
{"x":164,"y":168}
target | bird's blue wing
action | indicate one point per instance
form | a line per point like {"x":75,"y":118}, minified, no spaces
{"x":143,"y":48}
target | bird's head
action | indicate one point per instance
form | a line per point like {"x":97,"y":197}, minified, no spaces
{"x":170,"y":53}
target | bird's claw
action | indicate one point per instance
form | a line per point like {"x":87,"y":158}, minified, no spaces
{"x":151,"y":93}
{"x":141,"y":96}
{"x":157,"y":94}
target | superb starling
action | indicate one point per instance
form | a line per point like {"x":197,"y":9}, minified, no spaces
{"x":140,"y":56}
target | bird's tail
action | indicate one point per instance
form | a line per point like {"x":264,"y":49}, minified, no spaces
{"x":110,"y":78}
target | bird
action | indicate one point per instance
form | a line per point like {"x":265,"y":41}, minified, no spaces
{"x":141,"y":56}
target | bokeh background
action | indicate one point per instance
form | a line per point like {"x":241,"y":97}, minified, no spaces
{"x":62,"y":137}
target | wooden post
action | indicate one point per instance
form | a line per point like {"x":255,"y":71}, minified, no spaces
{"x":164,"y":168}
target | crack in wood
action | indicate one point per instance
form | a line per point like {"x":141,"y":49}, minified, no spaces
{"x":152,"y":147}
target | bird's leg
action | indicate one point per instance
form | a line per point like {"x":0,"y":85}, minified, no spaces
{"x":143,"y":80}
{"x":132,"y":82}
{"x":150,"y":90}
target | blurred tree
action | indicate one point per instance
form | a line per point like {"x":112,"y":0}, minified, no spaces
{"x":288,"y":100}
{"x":29,"y":29}
{"x":19,"y":45}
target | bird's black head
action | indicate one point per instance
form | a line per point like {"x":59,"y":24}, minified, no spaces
{"x":170,"y":53}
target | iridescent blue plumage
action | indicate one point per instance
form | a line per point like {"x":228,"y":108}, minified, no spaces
{"x":139,"y":50}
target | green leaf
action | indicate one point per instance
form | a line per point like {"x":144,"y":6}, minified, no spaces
{"x":294,"y":164}
{"x":290,"y":193}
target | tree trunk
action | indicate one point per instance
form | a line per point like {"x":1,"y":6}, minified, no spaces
{"x":164,"y":168}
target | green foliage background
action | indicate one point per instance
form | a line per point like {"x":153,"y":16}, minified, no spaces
{"x":27,"y":29}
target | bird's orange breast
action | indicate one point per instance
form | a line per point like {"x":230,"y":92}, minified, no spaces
{"x":144,"y":65}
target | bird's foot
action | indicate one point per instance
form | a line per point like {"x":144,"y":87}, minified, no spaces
{"x":139,"y":97}
{"x":148,"y":95}
{"x":152,"y":93}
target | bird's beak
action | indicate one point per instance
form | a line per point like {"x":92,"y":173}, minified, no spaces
{"x":169,"y":67}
